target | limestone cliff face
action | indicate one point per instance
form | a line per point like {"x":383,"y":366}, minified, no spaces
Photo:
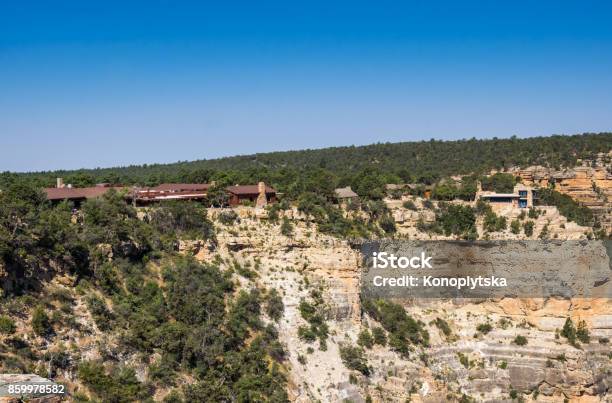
{"x":486,"y":367}
{"x":589,"y":184}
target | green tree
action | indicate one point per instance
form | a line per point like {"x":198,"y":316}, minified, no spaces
{"x":515,"y":227}
{"x":365,"y":339}
{"x":528,"y":227}
{"x":7,"y":325}
{"x":569,"y":331}
{"x":40,"y":322}
{"x":354,"y":358}
{"x":275,"y":306}
{"x":286,"y":227}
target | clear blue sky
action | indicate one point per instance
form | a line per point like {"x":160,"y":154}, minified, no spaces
{"x":104,"y":83}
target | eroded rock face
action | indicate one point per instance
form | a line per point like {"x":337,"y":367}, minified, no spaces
{"x":547,"y":365}
{"x":590,"y":184}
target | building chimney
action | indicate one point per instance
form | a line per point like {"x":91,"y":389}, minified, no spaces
{"x":261,"y":197}
{"x":59,"y":183}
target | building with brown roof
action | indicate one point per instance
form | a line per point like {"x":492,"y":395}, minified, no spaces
{"x":259,"y":194}
{"x":77,"y":195}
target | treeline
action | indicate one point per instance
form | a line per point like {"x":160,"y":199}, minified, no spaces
{"x":365,"y":168}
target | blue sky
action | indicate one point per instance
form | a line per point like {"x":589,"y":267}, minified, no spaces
{"x":104,"y":83}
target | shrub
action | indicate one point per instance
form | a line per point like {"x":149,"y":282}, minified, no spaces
{"x":188,"y":219}
{"x":504,"y":323}
{"x":365,"y":339}
{"x":275,"y":306}
{"x":314,"y":315}
{"x":286,"y":227}
{"x":443,"y":326}
{"x":380,"y":338}
{"x":307,"y":334}
{"x":228,"y":217}
{"x":100,"y":312}
{"x":464,"y":360}
{"x":582,"y":332}
{"x":520,"y":340}
{"x":456,"y":220}
{"x":173,"y":397}
{"x":515,"y":227}
{"x":387,"y":223}
{"x":482,"y":207}
{"x":544,"y":232}
{"x":409,"y":204}
{"x":569,"y":331}
{"x":528,"y":228}
{"x":484,"y":328}
{"x":354,"y":358}
{"x":40,"y":322}
{"x":7,"y":325}
{"x":402,"y":328}
{"x":567,"y":206}
{"x":120,"y":386}
{"x":533,"y":213}
{"x":494,"y":223}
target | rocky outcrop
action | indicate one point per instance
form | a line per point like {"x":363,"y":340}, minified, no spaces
{"x":589,"y":184}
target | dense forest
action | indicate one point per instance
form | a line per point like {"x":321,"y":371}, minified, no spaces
{"x":365,"y":168}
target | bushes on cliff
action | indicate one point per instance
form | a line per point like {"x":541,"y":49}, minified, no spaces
{"x":116,"y":386}
{"x":274,"y":305}
{"x":110,"y":220}
{"x":40,"y":322}
{"x":314,"y":313}
{"x":354,"y":358}
{"x":515,"y":227}
{"x":403,"y":329}
{"x":494,"y":223}
{"x":100,"y":312}
{"x":380,"y":338}
{"x":330,"y":219}
{"x":228,"y":217}
{"x":567,"y":206}
{"x":7,"y":325}
{"x":454,"y":219}
{"x":365,"y":339}
{"x":186,"y":219}
{"x":528,"y":227}
{"x":286,"y":227}
{"x":573,"y":334}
